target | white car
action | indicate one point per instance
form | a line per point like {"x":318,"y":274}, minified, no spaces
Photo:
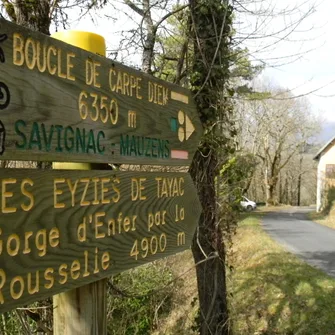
{"x":248,"y":204}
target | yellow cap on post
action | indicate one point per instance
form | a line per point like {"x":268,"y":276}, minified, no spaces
{"x":88,"y":41}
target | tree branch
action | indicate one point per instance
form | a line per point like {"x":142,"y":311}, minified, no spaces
{"x":136,"y":9}
{"x":168,"y":15}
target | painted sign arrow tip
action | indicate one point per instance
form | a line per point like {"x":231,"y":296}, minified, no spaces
{"x":189,"y":127}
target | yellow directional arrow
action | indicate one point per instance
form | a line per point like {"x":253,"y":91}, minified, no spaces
{"x":187,"y":127}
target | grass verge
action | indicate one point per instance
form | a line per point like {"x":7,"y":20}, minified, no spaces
{"x":326,"y":220}
{"x":181,"y":319}
{"x":272,"y":291}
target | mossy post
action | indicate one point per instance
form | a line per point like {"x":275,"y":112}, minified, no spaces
{"x":82,"y":310}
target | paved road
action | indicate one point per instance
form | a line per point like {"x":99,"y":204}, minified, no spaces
{"x":309,"y":240}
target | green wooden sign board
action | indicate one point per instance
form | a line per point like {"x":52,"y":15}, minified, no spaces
{"x":61,"y":103}
{"x":63,"y":229}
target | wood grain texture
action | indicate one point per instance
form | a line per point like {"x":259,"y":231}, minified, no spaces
{"x":41,"y":82}
{"x":89,"y":318}
{"x":99,"y":216}
{"x":82,"y":310}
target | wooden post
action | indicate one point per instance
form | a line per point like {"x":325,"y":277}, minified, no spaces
{"x":82,"y":310}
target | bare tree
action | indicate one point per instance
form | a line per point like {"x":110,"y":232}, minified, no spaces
{"x":275,"y":133}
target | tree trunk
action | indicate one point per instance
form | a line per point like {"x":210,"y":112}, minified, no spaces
{"x":271,"y":191}
{"x":211,"y":28}
{"x":34,"y":15}
{"x":299,"y":190}
{"x":149,"y":39}
{"x":208,"y":250}
{"x":299,"y":181}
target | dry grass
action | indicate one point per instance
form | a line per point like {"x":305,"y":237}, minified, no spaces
{"x":273,"y":292}
{"x":184,"y":306}
{"x":326,"y":220}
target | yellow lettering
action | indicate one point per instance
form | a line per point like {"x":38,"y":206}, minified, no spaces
{"x":62,"y":272}
{"x":119,"y":86}
{"x":86,"y":272}
{"x":175,"y":191}
{"x":84,"y":202}
{"x":181,"y":186}
{"x":41,"y":242}
{"x":104,"y":190}
{"x":72,"y":189}
{"x":52,"y":69}
{"x":69,"y":66}
{"x":163,"y":217}
{"x":75,"y":269}
{"x":96,"y":200}
{"x":18,"y":55}
{"x":136,"y":189}
{"x":111,"y":85}
{"x":150,"y":221}
{"x":54,"y":237}
{"x":165,"y":95}
{"x":30,"y":62}
{"x":125,"y":83}
{"x":133,"y":85}
{"x":37,"y":283}
{"x":15,"y":250}
{"x":96,"y":74}
{"x":96,"y":268}
{"x":98,"y":224}
{"x":59,"y":58}
{"x":116,"y":197}
{"x":19,"y":280}
{"x":7,"y":194}
{"x":41,"y":67}
{"x":2,"y":283}
{"x":150,"y":92}
{"x":104,"y":261}
{"x":164,"y":188}
{"x":126,"y":224}
{"x":138,"y":87}
{"x":26,"y":249}
{"x":133,"y":228}
{"x":27,"y":194}
{"x":81,"y":231}
{"x":145,"y":247}
{"x":158,"y":180}
{"x":58,"y":192}
{"x":92,"y":73}
{"x":170,"y":184}
{"x":158,"y":219}
{"x":111,"y":231}
{"x":89,"y":72}
{"x":169,"y":187}
{"x":181,"y":238}
{"x":160,"y":94}
{"x":48,"y":275}
{"x":119,"y":221}
{"x":34,"y":54}
{"x":157,"y":94}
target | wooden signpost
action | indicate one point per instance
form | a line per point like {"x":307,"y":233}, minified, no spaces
{"x":62,"y":103}
{"x":62,"y":229}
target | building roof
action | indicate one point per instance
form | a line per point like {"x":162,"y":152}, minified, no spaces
{"x":324,"y":148}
